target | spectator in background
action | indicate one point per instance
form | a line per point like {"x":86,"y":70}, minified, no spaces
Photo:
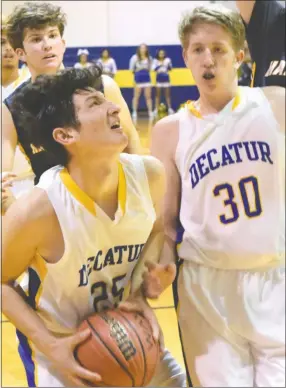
{"x":162,"y":65}
{"x":82,"y":59}
{"x":141,"y":64}
{"x":245,"y":69}
{"x":107,"y":63}
{"x":265,"y":33}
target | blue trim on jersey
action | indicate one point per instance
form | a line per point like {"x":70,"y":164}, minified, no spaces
{"x":180,"y":234}
{"x":25,"y":353}
{"x":24,"y":349}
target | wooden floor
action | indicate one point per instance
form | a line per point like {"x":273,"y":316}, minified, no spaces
{"x":13,"y":374}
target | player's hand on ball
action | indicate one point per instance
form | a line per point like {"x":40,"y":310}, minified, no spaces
{"x":137,"y":303}
{"x":157,"y":279}
{"x":61,"y":354}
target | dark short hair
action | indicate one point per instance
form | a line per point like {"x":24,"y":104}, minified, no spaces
{"x":158,"y":52}
{"x":33,"y":15}
{"x":102,"y":51}
{"x":48,"y":103}
{"x":217,"y":14}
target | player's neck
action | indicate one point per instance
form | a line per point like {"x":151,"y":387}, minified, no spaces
{"x":98,"y":178}
{"x":214,"y":103}
{"x":35,"y":73}
{"x":9,"y":76}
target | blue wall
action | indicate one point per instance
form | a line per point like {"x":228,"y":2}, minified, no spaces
{"x":122,"y":55}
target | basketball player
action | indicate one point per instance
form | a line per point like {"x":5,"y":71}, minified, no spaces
{"x":35,"y":31}
{"x":265,"y":33}
{"x":224,"y":160}
{"x":89,"y":220}
{"x":12,"y":76}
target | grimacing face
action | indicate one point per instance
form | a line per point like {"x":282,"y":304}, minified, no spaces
{"x":43,"y":49}
{"x":100,"y":130}
{"x":211,"y":57}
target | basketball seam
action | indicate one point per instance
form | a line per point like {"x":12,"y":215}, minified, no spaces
{"x":77,"y":360}
{"x":139,"y":339}
{"x":111,"y":352}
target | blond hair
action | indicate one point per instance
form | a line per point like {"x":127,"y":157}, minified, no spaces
{"x":213,"y":14}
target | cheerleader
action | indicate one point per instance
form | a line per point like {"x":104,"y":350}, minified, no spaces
{"x":107,"y":63}
{"x":141,"y":64}
{"x":162,"y":65}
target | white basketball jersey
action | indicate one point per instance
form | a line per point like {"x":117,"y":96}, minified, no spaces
{"x":233,"y":181}
{"x":100,"y":254}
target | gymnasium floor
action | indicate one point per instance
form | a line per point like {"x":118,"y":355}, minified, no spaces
{"x":13,"y":374}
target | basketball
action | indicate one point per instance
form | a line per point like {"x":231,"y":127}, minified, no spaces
{"x":121,"y":349}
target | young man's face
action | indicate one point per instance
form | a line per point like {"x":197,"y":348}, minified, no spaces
{"x":211,"y":58}
{"x":100,"y":131}
{"x":9,"y":59}
{"x":43,"y":50}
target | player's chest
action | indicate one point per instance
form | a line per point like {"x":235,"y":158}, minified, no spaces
{"x":229,"y":149}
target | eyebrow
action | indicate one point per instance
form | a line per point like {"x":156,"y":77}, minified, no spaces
{"x":40,"y":33}
{"x":200,"y":43}
{"x":92,"y":98}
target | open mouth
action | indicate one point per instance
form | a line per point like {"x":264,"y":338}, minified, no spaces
{"x":115,"y":126}
{"x":208,"y":76}
{"x":9,"y":56}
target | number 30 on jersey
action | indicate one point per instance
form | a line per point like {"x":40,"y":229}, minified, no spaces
{"x":248,"y":190}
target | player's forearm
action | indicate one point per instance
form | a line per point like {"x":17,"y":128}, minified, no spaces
{"x":245,"y":9}
{"x":25,"y":319}
{"x":169,"y":252}
{"x":151,"y":253}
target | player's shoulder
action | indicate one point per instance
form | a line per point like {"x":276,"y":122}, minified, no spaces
{"x":109,"y":85}
{"x":153,"y":167}
{"x":167,"y":125}
{"x":156,"y":176}
{"x":276,"y":98}
{"x":274,"y":92}
{"x":31,"y":208}
{"x":9,"y":99}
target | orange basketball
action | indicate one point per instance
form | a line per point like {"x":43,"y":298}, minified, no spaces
{"x":121,"y":349}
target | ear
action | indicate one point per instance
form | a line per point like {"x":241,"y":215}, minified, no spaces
{"x":21,"y":54}
{"x":65,"y":136}
{"x":239,"y":58}
{"x":185,"y":57}
{"x":64,"y":44}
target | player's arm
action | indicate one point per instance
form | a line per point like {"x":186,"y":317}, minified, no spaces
{"x":153,"y":247}
{"x":166,"y":132}
{"x":113,"y":93}
{"x":18,"y":250}
{"x":9,"y":143}
{"x":245,"y":9}
{"x":160,"y":276}
{"x":9,"y":140}
{"x":25,"y":228}
{"x":276,"y":98}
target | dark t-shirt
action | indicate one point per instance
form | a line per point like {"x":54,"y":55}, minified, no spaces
{"x":266,"y":40}
{"x":40,"y":160}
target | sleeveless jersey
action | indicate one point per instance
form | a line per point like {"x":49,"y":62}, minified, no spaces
{"x":232,"y":169}
{"x":100,"y":254}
